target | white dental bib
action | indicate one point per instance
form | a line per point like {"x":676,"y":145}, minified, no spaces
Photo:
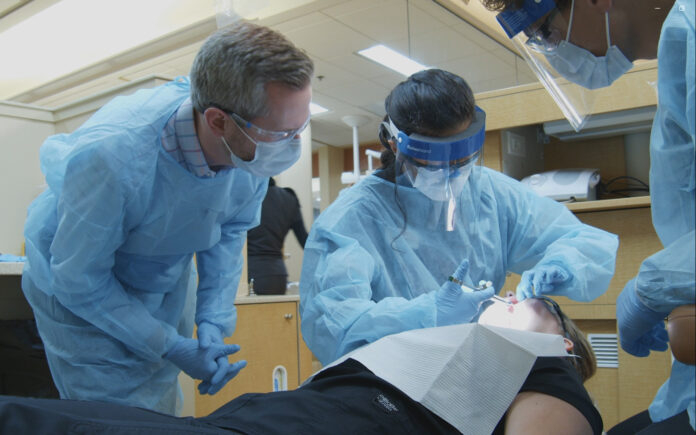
{"x":467,"y":374}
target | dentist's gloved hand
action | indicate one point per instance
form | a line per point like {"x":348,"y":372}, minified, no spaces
{"x":455,"y":306}
{"x":208,"y":334}
{"x":640,"y":328}
{"x":541,"y":280}
{"x":197,"y":362}
{"x":217,"y":382}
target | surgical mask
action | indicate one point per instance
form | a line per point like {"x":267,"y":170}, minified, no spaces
{"x":440,"y":184}
{"x":270,"y":158}
{"x":584,"y":68}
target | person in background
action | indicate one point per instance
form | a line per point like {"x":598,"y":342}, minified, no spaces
{"x":147,"y":182}
{"x":592,"y":43}
{"x":349,"y":398}
{"x":280,"y":213}
{"x":375,"y":259}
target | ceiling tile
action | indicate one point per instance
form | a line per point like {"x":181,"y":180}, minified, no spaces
{"x":331,"y":75}
{"x":360,"y":92}
{"x":370,"y":20}
{"x":329,"y":38}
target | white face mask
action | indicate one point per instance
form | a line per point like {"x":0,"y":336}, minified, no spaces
{"x":439,"y":184}
{"x":584,"y":68}
{"x":270,"y":158}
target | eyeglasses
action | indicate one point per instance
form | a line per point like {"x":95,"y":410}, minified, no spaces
{"x":268,"y":135}
{"x":553,"y":307}
{"x":545,"y":38}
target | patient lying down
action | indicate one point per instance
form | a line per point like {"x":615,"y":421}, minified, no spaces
{"x":349,"y":398}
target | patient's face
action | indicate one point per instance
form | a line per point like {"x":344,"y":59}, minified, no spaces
{"x":528,"y":315}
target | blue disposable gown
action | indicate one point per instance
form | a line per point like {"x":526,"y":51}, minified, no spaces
{"x":666,"y":279}
{"x":110,"y":245}
{"x":362,"y":278}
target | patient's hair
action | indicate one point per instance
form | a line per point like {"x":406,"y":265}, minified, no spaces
{"x":586,"y":364}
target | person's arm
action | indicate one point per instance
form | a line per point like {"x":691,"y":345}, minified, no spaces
{"x":338,"y":313}
{"x":544,"y":234}
{"x":536,"y":413}
{"x":92,"y":213}
{"x":297,"y":226}
{"x":220,"y":268}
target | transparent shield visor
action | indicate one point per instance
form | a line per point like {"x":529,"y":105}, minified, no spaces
{"x":439,"y":167}
{"x":536,"y":30}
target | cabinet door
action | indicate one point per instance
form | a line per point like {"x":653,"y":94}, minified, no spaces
{"x":267,"y":334}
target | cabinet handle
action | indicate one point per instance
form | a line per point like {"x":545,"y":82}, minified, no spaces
{"x":288,"y":316}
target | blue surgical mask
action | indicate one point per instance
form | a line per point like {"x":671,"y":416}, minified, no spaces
{"x":584,"y":68}
{"x":270,"y":158}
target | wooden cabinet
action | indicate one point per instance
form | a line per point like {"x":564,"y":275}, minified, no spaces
{"x":269,"y":336}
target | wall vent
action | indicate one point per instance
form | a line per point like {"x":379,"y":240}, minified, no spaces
{"x":605,"y":347}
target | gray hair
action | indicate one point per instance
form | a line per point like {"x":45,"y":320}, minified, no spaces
{"x":235,"y":63}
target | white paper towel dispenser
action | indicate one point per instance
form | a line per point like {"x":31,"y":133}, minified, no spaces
{"x":565,"y":184}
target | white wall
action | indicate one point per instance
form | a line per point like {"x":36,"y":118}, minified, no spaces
{"x":299,"y":178}
{"x":22,"y":130}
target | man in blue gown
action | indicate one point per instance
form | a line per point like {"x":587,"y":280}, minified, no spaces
{"x":147,"y":182}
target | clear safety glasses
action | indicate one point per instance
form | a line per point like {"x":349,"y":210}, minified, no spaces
{"x":546,"y":37}
{"x":261,"y":134}
{"x":555,"y":309}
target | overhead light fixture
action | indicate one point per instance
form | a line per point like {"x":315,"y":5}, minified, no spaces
{"x":315,"y":109}
{"x":396,"y":61}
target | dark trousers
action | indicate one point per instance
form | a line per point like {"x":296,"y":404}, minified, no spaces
{"x":345,"y":399}
{"x":641,"y":424}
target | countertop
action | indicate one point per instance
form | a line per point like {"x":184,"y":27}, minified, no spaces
{"x":15,"y":269}
{"x":11,"y":268}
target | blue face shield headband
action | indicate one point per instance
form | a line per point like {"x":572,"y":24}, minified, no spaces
{"x":514,"y":21}
{"x":443,"y":149}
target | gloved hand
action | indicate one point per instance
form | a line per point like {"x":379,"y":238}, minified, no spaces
{"x":215,"y":384}
{"x":208,"y":334}
{"x":541,"y":280}
{"x":455,"y":306}
{"x":197,"y":362}
{"x":640,"y":328}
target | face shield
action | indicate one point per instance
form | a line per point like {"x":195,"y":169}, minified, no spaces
{"x":439,"y":167}
{"x":541,"y":32}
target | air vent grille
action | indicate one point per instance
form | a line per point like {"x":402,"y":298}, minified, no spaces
{"x":606,"y":349}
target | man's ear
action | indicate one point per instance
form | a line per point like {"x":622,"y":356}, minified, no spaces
{"x":392,"y":145}
{"x":600,"y":5}
{"x":569,"y":345}
{"x":215,"y":120}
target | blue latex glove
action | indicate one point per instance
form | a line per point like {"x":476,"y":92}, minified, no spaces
{"x":208,"y":334}
{"x":197,"y":362}
{"x":215,"y":385}
{"x":541,"y":280}
{"x":456,"y":306}
{"x":640,"y":328}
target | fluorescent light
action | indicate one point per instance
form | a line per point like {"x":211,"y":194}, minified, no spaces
{"x":314,"y":109}
{"x":392,"y":59}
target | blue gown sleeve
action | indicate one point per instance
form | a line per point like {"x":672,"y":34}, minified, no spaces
{"x":666,"y":279}
{"x":92,"y":224}
{"x":220,"y":268}
{"x":544,"y":232}
{"x":338,"y":314}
